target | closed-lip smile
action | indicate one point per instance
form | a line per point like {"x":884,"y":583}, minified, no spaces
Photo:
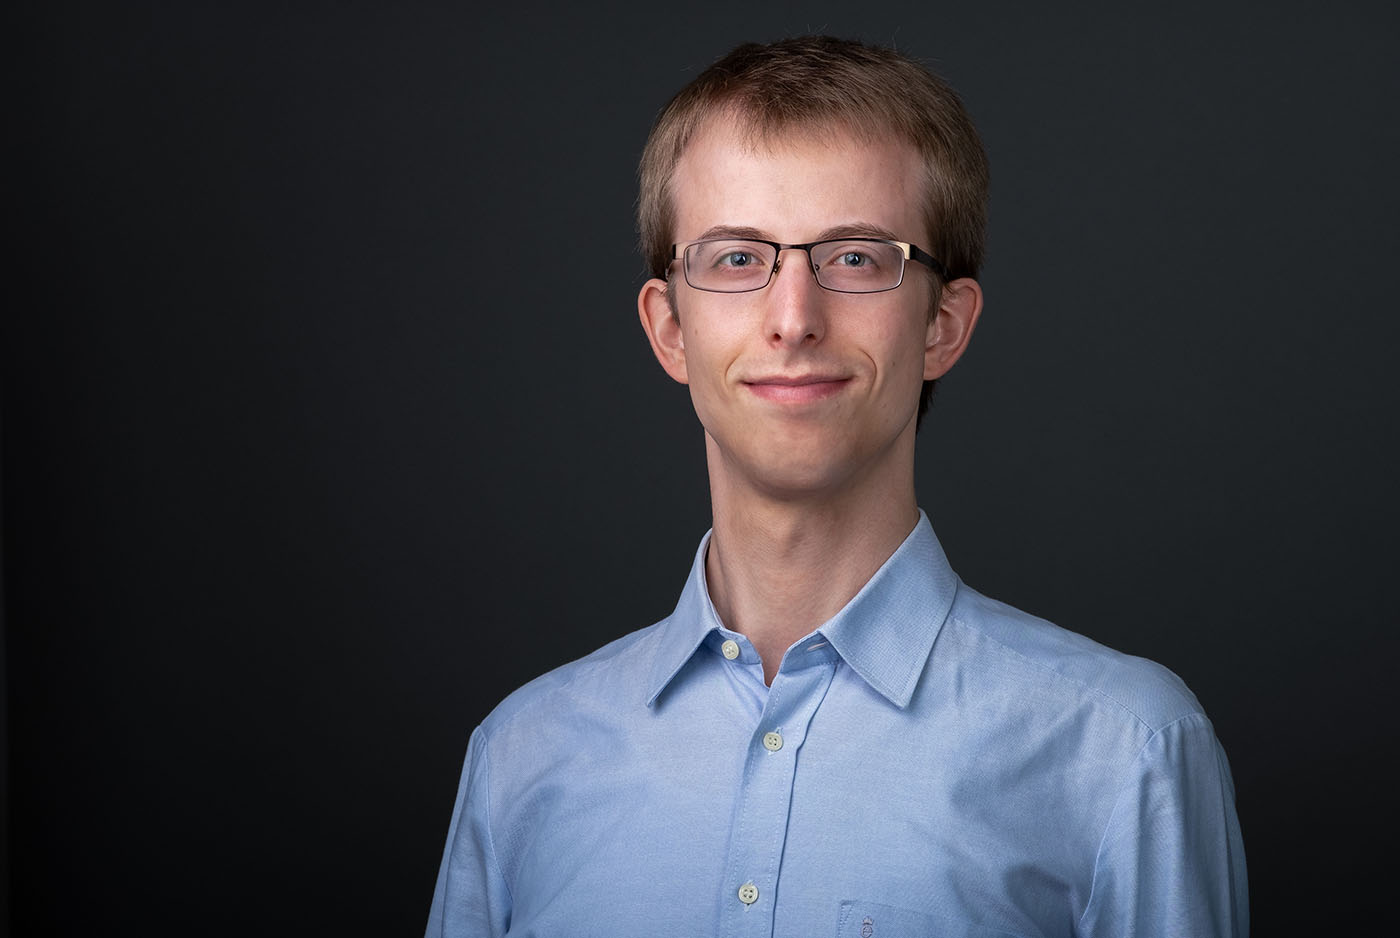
{"x":796,"y":389}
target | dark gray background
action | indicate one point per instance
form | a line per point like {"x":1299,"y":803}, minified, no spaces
{"x":327,"y":420}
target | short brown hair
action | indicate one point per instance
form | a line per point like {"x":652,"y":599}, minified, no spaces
{"x":817,"y":82}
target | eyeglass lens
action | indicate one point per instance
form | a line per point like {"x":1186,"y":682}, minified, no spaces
{"x":850,"y":266}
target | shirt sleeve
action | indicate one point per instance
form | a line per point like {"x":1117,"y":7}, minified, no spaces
{"x":1171,"y":861}
{"x":471,"y":899}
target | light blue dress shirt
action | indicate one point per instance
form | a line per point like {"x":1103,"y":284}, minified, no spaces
{"x":929,"y":762}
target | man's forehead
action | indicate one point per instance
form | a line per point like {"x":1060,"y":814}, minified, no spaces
{"x":736,"y":126}
{"x":735,"y":173}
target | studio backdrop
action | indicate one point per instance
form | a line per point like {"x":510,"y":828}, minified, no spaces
{"x":328,"y":421}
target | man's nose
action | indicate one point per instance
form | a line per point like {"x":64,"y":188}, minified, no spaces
{"x":796,"y":305}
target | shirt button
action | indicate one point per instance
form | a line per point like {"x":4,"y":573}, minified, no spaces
{"x":730,"y":649}
{"x":772,"y":741}
{"x":748,"y":893}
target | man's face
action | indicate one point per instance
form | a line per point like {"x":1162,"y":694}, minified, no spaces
{"x":800,"y":390}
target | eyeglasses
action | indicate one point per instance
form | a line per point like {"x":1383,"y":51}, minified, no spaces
{"x":844,"y":265}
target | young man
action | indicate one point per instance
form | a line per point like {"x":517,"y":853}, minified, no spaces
{"x":832,"y":735}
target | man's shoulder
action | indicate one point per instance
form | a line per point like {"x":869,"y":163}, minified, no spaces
{"x":1037,"y":654}
{"x":617,"y":672}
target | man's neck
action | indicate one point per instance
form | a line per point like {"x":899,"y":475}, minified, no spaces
{"x":779,"y":568}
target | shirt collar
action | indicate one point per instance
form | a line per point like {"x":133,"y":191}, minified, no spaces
{"x":885,"y":633}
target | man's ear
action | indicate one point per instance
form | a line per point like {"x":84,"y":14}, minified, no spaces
{"x":662,"y":327}
{"x":950,"y":328}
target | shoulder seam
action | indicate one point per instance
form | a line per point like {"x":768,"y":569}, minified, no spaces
{"x":490,"y":813}
{"x":1117,"y":802}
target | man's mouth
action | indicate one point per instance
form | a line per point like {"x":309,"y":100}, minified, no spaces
{"x":797,"y":389}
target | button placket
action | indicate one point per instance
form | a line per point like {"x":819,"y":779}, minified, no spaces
{"x":759,"y":831}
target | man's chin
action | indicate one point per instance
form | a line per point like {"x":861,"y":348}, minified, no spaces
{"x":798,"y":476}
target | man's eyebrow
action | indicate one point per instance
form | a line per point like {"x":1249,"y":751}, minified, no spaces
{"x":857,"y":229}
{"x":734,"y":231}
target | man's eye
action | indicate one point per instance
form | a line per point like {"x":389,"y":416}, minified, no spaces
{"x":853,"y":259}
{"x":737,"y":259}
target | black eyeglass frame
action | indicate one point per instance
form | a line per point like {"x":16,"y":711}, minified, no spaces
{"x":911,"y":252}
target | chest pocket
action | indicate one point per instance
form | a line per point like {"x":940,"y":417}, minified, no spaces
{"x":873,"y":920}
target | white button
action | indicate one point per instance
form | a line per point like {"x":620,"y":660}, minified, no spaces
{"x":748,"y":893}
{"x":730,"y":649}
{"x":772,"y":741}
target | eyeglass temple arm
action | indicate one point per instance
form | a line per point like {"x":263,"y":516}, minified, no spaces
{"x":929,"y":261}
